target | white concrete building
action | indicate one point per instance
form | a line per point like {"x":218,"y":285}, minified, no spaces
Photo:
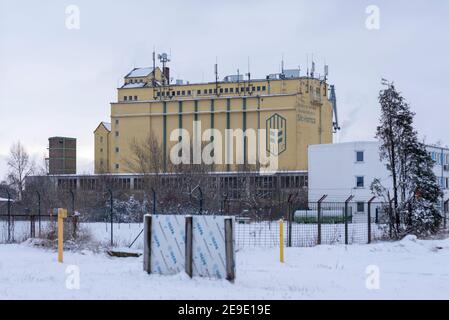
{"x":343,"y":169}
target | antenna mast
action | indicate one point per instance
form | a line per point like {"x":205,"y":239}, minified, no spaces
{"x":249,"y":78}
{"x":238,"y":80}
{"x":282,"y":64}
{"x":216,"y":77}
{"x":164,"y":59}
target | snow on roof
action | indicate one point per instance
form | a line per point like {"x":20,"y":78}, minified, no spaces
{"x":107,"y":125}
{"x":139,"y":72}
{"x":134,"y":85}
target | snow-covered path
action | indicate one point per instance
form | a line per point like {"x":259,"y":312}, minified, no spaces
{"x":409,"y":269}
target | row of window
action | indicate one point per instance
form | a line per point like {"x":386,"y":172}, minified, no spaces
{"x":130,"y":98}
{"x":440,"y":158}
{"x":224,"y":182}
{"x":212,"y":91}
{"x":360,"y":182}
{"x":444,"y":183}
{"x":135,"y":81}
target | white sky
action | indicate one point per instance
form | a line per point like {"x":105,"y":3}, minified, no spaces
{"x":55,"y":81}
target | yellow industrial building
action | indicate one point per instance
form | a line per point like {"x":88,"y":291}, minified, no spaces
{"x":150,"y":103}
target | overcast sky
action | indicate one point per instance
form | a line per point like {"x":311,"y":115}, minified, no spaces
{"x":60,"y":81}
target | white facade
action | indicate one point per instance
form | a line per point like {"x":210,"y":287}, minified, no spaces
{"x":343,"y":169}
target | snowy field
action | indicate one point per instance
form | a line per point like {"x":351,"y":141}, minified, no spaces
{"x":409,"y":269}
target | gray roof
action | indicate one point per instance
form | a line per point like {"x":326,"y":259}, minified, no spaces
{"x":107,"y":125}
{"x":134,"y":85}
{"x":139,"y":72}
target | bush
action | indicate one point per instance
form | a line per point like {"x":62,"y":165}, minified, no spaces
{"x":324,"y":220}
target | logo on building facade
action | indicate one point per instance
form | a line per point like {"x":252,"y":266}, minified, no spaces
{"x":277,"y":128}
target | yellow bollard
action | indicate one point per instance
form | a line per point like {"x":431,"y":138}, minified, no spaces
{"x":62,"y":214}
{"x":281,"y":240}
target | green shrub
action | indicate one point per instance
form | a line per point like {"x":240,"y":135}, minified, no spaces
{"x":324,"y":220}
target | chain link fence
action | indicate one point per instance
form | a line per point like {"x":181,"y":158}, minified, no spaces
{"x":112,"y":222}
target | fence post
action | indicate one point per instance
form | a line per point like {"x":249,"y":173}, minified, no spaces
{"x":346,"y":219}
{"x":111,"y":199}
{"x":318,"y":240}
{"x":281,"y":240}
{"x":39,"y":211}
{"x":62,"y":214}
{"x":189,"y":246}
{"x":290,"y":219}
{"x":32,"y":224}
{"x":147,"y":243}
{"x":229,"y":244}
{"x":369,"y":219}
{"x":9,"y":215}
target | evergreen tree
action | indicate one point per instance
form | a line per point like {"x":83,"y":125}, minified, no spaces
{"x":415,"y":191}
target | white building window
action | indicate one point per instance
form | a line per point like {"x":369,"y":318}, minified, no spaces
{"x":359,"y":156}
{"x":359,"y":182}
{"x":360,"y":207}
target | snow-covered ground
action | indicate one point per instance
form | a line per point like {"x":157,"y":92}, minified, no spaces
{"x":409,"y":269}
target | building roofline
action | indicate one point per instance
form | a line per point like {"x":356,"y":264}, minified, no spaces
{"x":102,"y":124}
{"x":230,"y":82}
{"x":207,"y":98}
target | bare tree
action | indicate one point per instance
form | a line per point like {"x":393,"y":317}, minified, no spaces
{"x":20,"y":166}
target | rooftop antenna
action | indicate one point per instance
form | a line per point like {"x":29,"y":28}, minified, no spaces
{"x":238,"y":80}
{"x":164,"y":59}
{"x":326,"y":72}
{"x":154,"y":68}
{"x":216,"y":75}
{"x":313,"y":67}
{"x":307,"y":65}
{"x":249,"y":77}
{"x":282,"y":64}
